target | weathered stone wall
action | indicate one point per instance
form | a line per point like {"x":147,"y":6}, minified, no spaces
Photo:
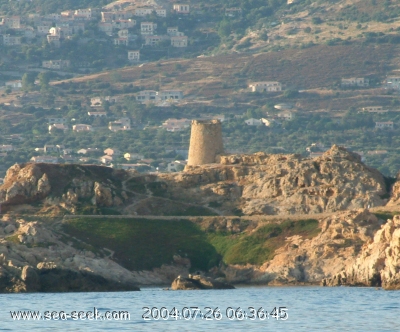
{"x":205,"y":142}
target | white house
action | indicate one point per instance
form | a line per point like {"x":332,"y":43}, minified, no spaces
{"x":265,"y":87}
{"x":384,"y":125}
{"x":393,"y":82}
{"x":161,"y":12}
{"x":170,"y":95}
{"x":97,"y":114}
{"x":355,"y":81}
{"x":147,"y":95}
{"x":152,"y":40}
{"x":56,"y":64}
{"x":121,"y":124}
{"x":176,"y":124}
{"x":179,"y":41}
{"x":148,"y":28}
{"x":9,"y":40}
{"x":45,"y":159}
{"x":134,"y":56}
{"x":133,"y":156}
{"x":253,"y":122}
{"x":375,"y":109}
{"x":15,"y":85}
{"x":82,"y":127}
{"x":174,"y":32}
{"x":181,"y":8}
{"x":57,"y":126}
{"x":143,"y":11}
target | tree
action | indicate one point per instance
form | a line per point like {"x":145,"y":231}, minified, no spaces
{"x":44,"y":80}
{"x":28,"y":81}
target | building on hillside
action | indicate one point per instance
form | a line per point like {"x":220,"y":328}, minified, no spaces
{"x":15,"y":85}
{"x":384,"y":125}
{"x":253,"y":122}
{"x":392,"y":82}
{"x":123,"y":24}
{"x":106,"y":27}
{"x":265,"y":87}
{"x":10,"y":40}
{"x":161,"y":12}
{"x":121,"y":41}
{"x":107,"y":159}
{"x":233,"y":12}
{"x":144,"y":11}
{"x":174,"y":32}
{"x":181,"y":8}
{"x":375,"y":109}
{"x":82,"y":128}
{"x":179,"y":41}
{"x":286,"y":115}
{"x":121,"y":124}
{"x":134,"y":56}
{"x":133,"y":156}
{"x":11,"y":22}
{"x":355,"y":82}
{"x":6,"y":148}
{"x":148,"y":28}
{"x":97,"y":114}
{"x":45,"y":159}
{"x":56,"y":120}
{"x":56,"y":64}
{"x":147,"y":95}
{"x":57,"y":126}
{"x":112,"y":152}
{"x":152,"y":40}
{"x":176,"y":124}
{"x":170,"y":95}
{"x":43,"y":30}
{"x":54,"y":40}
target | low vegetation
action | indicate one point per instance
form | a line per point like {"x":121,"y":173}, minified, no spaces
{"x":259,"y":246}
{"x":147,"y":243}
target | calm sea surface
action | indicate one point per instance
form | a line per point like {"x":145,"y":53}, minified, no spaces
{"x":308,"y":309}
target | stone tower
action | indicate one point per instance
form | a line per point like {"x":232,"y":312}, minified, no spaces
{"x":205,"y":142}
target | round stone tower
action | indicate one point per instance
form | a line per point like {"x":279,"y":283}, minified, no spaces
{"x":205,"y":142}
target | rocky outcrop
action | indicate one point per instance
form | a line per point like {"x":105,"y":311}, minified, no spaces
{"x":33,"y":258}
{"x":303,"y":260}
{"x":69,"y":187}
{"x":379,"y":261}
{"x":198,"y":282}
{"x":281,"y":184}
{"x":255,"y":184}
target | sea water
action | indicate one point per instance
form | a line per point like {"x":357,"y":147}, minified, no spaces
{"x":279,"y":309}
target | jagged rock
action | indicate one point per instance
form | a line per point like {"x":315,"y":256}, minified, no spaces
{"x":43,"y":185}
{"x":379,"y":261}
{"x":198,"y":282}
{"x":31,"y":278}
{"x":103,"y":195}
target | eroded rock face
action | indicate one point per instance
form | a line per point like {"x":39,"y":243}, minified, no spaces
{"x":254,"y":184}
{"x":302,"y":260}
{"x":282,"y":184}
{"x":65,"y":186}
{"x":198,"y":282}
{"x":379,"y":261}
{"x":36,"y":260}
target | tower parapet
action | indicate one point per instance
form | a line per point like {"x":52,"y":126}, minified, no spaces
{"x":205,"y":142}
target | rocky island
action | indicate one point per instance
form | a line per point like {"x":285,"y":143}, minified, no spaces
{"x":264,"y":219}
